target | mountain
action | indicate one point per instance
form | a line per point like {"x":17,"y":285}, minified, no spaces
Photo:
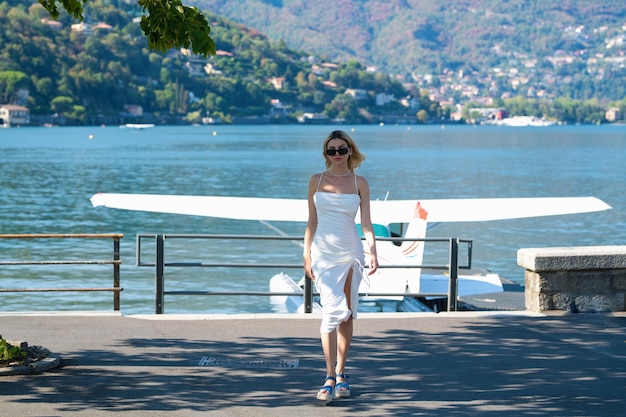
{"x":101,"y":71}
{"x":569,"y":48}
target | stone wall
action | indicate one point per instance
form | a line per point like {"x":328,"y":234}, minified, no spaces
{"x":577,"y":279}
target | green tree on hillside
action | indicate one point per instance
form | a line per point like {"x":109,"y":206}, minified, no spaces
{"x":10,"y":83}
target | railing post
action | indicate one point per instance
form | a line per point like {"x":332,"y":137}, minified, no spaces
{"x":159,"y":279}
{"x":116,"y":273}
{"x":308,"y":294}
{"x":454,"y":273}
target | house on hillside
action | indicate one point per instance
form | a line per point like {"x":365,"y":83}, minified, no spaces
{"x":88,"y":29}
{"x":103,"y":27}
{"x":195,"y":69}
{"x":499,"y":114}
{"x":82,"y":28}
{"x":356,"y":93}
{"x":612,"y":114}
{"x":54,"y":24}
{"x":412,"y":103}
{"x":12,"y":115}
{"x":313,"y":119}
{"x":277,"y":82}
{"x":330,"y":65}
{"x":384,"y":98}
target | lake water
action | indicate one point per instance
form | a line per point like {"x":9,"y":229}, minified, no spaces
{"x":48,"y":175}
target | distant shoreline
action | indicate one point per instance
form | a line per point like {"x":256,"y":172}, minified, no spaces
{"x":443,"y":124}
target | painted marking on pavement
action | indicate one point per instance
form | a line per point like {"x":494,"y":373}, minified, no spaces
{"x":248,"y":363}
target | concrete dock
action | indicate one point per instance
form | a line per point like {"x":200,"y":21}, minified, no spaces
{"x":419,"y":364}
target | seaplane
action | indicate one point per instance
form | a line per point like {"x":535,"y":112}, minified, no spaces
{"x":407,"y":219}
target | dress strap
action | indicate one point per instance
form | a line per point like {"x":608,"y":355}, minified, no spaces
{"x":356,"y":185}
{"x":320,"y":181}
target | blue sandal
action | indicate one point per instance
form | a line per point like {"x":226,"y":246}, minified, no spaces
{"x":342,"y":389}
{"x":326,"y":392}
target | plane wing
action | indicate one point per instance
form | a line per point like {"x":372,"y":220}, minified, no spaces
{"x":389,"y":211}
{"x":487,"y":209}
{"x":238,"y":208}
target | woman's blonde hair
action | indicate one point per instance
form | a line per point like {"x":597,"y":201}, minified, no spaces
{"x":354,"y":160}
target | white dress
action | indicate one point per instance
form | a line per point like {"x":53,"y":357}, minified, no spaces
{"x":336,"y":249}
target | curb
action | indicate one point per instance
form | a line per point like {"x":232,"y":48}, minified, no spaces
{"x":51,"y":361}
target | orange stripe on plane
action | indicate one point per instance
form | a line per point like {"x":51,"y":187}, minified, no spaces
{"x":412,"y":248}
{"x":420,"y":212}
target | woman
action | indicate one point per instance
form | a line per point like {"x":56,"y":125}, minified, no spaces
{"x":333,"y":252}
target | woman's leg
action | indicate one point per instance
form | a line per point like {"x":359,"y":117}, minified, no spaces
{"x":344,"y":334}
{"x":329,"y":346}
{"x":336,"y":344}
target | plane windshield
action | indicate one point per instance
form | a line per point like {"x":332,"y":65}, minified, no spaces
{"x":379,"y":230}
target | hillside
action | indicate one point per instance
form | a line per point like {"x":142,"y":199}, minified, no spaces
{"x":573,"y":48}
{"x":101,"y":71}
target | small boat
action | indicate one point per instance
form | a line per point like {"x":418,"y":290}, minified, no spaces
{"x":138,"y":126}
{"x":523,"y":121}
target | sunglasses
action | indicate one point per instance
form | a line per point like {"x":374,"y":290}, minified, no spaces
{"x":340,"y":151}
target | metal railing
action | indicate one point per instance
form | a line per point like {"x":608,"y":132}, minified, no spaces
{"x":116,"y":262}
{"x":159,"y":264}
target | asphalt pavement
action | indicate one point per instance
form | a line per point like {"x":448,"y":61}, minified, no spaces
{"x":418,"y":364}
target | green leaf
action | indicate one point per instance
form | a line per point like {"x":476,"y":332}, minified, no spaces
{"x":170,"y":24}
{"x":167,"y":24}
